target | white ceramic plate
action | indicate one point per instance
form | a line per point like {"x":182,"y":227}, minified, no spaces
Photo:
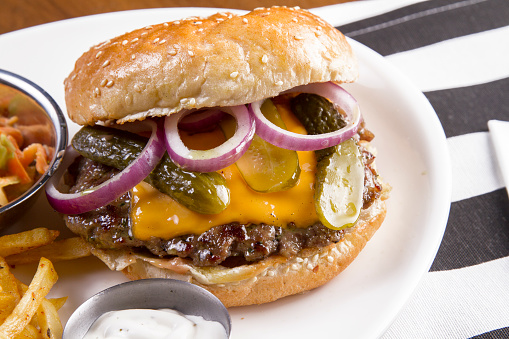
{"x":412,"y":156}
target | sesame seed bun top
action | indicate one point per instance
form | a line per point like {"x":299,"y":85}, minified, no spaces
{"x":222,"y":60}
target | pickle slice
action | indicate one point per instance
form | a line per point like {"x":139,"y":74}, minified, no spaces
{"x":339,"y":181}
{"x":265,"y":167}
{"x":339,"y":186}
{"x":205,"y":193}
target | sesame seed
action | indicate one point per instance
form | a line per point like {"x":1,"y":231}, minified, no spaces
{"x":271,"y":273}
{"x":330,"y":259}
{"x":137,"y":88}
{"x":223,"y":14}
{"x":244,"y":20}
{"x":197,"y":22}
{"x":188,"y":101}
{"x":148,"y":27}
{"x":98,"y":54}
{"x":74,"y":76}
{"x":104,"y":82}
{"x":172,"y":52}
{"x":128,"y":99}
{"x":296,"y":7}
{"x":124,"y":42}
{"x":97,"y":92}
{"x":295,"y":20}
{"x":162,"y":41}
{"x":310,"y":266}
{"x":191,"y":53}
{"x":176,"y":22}
{"x":233,"y":75}
{"x":299,"y":259}
{"x":265,"y":58}
{"x":264,"y":14}
{"x":279,"y":83}
{"x":200,"y":30}
{"x":134,"y":40}
{"x":110,"y":83}
{"x":298,"y":37}
{"x":259,"y":8}
{"x":165,"y":24}
{"x":144,"y":33}
{"x":295,"y":267}
{"x":102,"y":44}
{"x":133,"y":56}
{"x":155,"y":40}
{"x":219,"y":20}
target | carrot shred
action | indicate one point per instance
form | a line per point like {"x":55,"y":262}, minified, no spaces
{"x":14,"y":165}
{"x":14,"y":132}
{"x":38,"y":153}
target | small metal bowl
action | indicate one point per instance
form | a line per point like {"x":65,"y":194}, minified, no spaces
{"x":178,"y":295}
{"x":51,"y":117}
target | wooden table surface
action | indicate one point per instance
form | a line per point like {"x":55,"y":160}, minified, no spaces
{"x":18,"y":14}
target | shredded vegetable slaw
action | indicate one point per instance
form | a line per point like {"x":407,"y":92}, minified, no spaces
{"x":22,"y":159}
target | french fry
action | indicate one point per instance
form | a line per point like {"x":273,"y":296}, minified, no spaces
{"x":21,"y":242}
{"x":8,"y":281}
{"x":58,"y":302}
{"x":43,"y":280}
{"x":29,"y":332}
{"x":24,"y":311}
{"x":22,"y":288}
{"x":49,"y":322}
{"x":7,"y":304}
{"x":67,"y":249}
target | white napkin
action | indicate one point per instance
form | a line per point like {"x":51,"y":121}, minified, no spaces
{"x":499,"y":132}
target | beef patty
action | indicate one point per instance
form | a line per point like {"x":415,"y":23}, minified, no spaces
{"x":109,"y":227}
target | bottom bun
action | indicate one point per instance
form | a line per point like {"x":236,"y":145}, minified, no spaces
{"x":264,"y":281}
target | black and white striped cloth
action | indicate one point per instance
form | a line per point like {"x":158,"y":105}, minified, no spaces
{"x":457,"y":53}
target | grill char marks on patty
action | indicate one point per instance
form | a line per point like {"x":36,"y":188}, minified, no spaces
{"x":109,"y":226}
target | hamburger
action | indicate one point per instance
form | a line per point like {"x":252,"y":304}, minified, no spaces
{"x":222,"y":151}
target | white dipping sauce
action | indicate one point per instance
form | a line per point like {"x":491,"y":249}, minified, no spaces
{"x":154,"y":324}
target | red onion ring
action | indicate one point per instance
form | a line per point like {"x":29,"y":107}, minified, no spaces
{"x":200,"y":121}
{"x":301,"y":142}
{"x":216,"y":158}
{"x":134,"y":173}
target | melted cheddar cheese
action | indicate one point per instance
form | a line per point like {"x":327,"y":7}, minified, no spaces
{"x":155,"y":214}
